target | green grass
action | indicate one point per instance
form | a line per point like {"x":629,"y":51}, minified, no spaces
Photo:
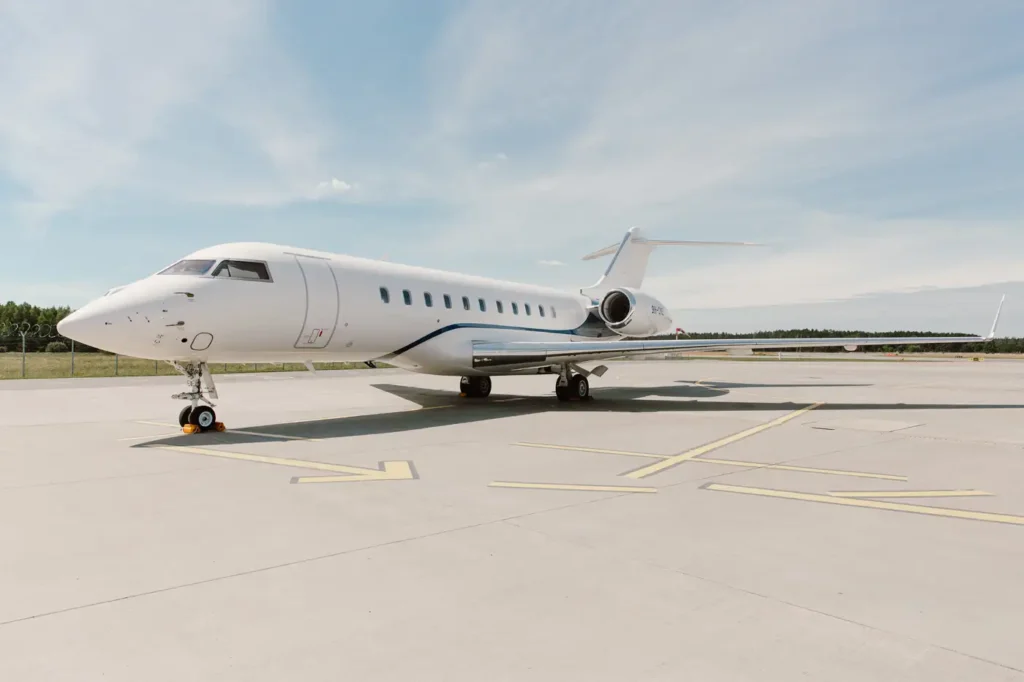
{"x":56,"y":365}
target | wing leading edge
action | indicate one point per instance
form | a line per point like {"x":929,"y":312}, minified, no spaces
{"x":526,"y":354}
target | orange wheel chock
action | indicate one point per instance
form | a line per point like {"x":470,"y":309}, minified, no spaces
{"x":190,"y":428}
{"x":219,"y":426}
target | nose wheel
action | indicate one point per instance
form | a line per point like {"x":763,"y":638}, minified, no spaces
{"x":196,"y":418}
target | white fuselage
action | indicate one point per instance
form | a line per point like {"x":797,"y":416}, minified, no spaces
{"x":321,"y":307}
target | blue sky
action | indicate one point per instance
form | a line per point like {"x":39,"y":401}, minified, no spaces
{"x":876,"y":147}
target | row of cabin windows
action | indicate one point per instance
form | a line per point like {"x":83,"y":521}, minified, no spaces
{"x":428,"y":300}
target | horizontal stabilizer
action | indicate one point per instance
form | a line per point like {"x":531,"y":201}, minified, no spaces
{"x":629,"y":265}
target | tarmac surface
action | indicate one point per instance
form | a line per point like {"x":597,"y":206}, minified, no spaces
{"x":698,"y":519}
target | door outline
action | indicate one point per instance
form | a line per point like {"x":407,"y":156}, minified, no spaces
{"x":305,"y":318}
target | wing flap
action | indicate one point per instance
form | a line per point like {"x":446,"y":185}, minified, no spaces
{"x":521,"y":354}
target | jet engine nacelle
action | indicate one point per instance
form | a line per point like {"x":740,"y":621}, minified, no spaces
{"x":629,"y":312}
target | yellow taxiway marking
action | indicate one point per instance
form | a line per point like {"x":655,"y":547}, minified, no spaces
{"x":570,"y":486}
{"x":870,"y":504}
{"x":388,"y":471}
{"x":245,"y":432}
{"x":597,"y":450}
{"x":909,"y":493}
{"x":726,"y":462}
{"x":669,"y":462}
{"x":158,"y":435}
{"x":808,"y":470}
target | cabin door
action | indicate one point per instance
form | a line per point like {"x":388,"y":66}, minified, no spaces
{"x":321,"y":302}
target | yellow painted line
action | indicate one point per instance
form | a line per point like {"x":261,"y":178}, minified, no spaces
{"x":245,"y":432}
{"x":793,"y":467}
{"x":570,"y":486}
{"x":157,"y":435}
{"x":389,"y":470}
{"x":910,"y":493}
{"x":658,"y":467}
{"x":870,"y":504}
{"x":726,"y":462}
{"x":597,"y":450}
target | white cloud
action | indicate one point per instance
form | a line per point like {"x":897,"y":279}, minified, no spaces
{"x":332,"y":187}
{"x":715,"y":121}
{"x":553,"y":263}
{"x":128,"y":98}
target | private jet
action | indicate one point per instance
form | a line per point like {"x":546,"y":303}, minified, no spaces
{"x":259,"y":302}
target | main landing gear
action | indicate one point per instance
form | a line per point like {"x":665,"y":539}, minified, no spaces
{"x":475,"y":387}
{"x":196,"y":418}
{"x":572,"y":386}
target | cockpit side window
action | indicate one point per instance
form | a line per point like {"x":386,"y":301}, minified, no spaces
{"x":243,"y":269}
{"x":189,"y":267}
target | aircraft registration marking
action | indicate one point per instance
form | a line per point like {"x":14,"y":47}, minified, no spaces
{"x":670,"y":462}
{"x":869,"y":504}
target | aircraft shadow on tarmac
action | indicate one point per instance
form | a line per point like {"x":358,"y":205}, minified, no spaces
{"x":469,"y":410}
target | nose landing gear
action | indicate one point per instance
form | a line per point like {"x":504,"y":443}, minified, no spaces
{"x":196,"y":418}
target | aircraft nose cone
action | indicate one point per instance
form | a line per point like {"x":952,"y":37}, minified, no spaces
{"x":80,"y":326}
{"x":69,"y":326}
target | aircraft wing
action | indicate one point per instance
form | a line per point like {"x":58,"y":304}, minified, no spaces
{"x":521,"y":354}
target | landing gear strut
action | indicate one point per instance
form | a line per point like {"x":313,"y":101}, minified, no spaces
{"x":475,"y":387}
{"x":572,"y":386}
{"x":195,"y":418}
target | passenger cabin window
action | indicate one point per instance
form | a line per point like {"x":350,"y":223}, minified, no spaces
{"x":243,"y":269}
{"x":483,"y":305}
{"x":500,"y":307}
{"x":384,"y":295}
{"x":189,"y":267}
{"x":465,"y":302}
{"x":540,"y":309}
{"x":447,"y":301}
{"x":428,"y":299}
{"x":526,"y":308}
{"x":407,"y":296}
{"x":515,"y":308}
{"x":553,"y":313}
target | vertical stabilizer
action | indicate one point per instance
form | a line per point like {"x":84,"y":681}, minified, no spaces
{"x":629,"y":264}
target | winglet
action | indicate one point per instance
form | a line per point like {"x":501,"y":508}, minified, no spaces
{"x":995,"y":322}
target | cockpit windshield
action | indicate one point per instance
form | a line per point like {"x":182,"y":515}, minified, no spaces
{"x":243,"y":269}
{"x":189,"y":267}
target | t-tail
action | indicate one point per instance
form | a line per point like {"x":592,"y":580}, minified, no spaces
{"x":629,"y":265}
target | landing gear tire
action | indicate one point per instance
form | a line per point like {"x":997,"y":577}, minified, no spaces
{"x":579,"y":387}
{"x":184,"y":415}
{"x":562,"y":392}
{"x":475,"y":387}
{"x":203,"y":417}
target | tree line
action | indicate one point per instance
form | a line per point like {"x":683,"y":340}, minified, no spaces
{"x":39,"y":327}
{"x":999,"y":345}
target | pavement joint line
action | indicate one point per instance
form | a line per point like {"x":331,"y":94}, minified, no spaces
{"x":724,"y":462}
{"x":794,"y":467}
{"x":908,"y":493}
{"x":603,"y":451}
{"x":573,"y":487}
{"x":670,"y":462}
{"x":869,"y":504}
